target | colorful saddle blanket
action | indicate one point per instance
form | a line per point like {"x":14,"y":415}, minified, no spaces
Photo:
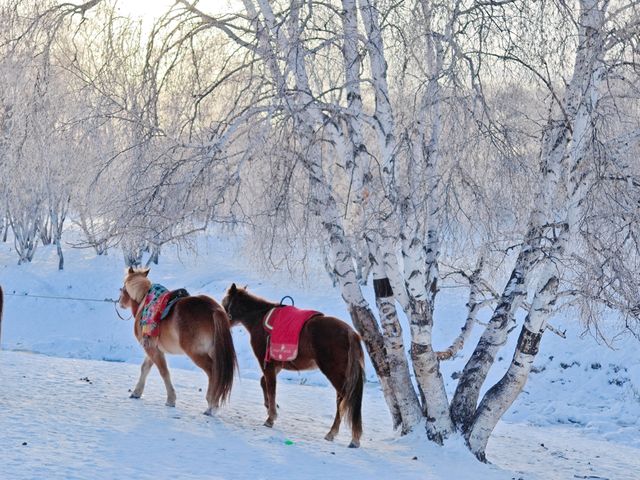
{"x":284,"y":325}
{"x":156,"y":306}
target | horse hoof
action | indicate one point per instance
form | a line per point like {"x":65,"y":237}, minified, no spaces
{"x":329,"y":437}
{"x":354,"y":445}
{"x":209,"y":412}
{"x":268,"y":423}
{"x":134,"y":395}
{"x":170,"y":404}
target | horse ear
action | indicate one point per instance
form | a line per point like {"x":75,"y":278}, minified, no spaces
{"x":130,"y":270}
{"x":145,"y":271}
{"x":233,"y":289}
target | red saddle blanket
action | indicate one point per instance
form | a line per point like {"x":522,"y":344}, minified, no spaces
{"x":284,"y":324}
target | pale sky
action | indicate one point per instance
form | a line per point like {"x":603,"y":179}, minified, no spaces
{"x":150,"y":9}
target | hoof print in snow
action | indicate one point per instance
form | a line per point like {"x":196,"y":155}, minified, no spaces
{"x":564,"y":365}
{"x":618,"y":381}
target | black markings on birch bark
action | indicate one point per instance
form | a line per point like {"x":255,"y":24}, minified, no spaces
{"x":528,"y":342}
{"x":382,"y":288}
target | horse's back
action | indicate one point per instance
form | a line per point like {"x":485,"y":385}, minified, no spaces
{"x":190,"y":325}
{"x":325,"y":338}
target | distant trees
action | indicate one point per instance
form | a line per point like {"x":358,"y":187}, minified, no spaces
{"x":399,"y":144}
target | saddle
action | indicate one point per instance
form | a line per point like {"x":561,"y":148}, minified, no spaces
{"x":283,"y":325}
{"x":156,"y":306}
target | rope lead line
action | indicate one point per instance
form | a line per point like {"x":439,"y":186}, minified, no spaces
{"x":51,"y":297}
{"x":79,"y":299}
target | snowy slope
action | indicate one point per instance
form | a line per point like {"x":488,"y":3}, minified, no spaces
{"x":77,"y":423}
{"x":582,"y":394}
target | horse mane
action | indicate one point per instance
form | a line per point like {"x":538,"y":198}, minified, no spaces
{"x":137,"y":284}
{"x":252,"y":300}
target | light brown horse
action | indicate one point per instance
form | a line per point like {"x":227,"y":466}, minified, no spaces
{"x":325,"y":342}
{"x":197,"y":326}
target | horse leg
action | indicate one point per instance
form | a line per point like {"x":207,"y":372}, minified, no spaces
{"x":158,"y":358}
{"x":335,"y":428}
{"x":269,"y":390}
{"x":263,"y":384}
{"x":145,"y":368}
{"x":206,"y":364}
{"x":337,"y":375}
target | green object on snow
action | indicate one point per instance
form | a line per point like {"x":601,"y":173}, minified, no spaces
{"x":288,"y":442}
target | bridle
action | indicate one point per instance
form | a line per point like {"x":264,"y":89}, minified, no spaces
{"x":115,"y":305}
{"x":228,"y":309}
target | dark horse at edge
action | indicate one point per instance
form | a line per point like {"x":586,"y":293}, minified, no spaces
{"x":325,"y":342}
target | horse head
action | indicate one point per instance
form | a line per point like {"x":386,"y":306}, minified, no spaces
{"x":135,"y":286}
{"x":239,"y":304}
{"x":228,"y":304}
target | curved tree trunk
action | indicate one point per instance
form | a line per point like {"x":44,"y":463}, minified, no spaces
{"x":465,"y":398}
{"x":502,"y":395}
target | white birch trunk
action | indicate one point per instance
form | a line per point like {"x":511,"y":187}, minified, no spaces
{"x":359,"y":163}
{"x":25,"y":225}
{"x":408,"y":403}
{"x":554,"y":154}
{"x":588,"y":74}
{"x":323,"y":203}
{"x":384,"y":110}
{"x":420,"y":255}
{"x":412,"y":292}
{"x":500,"y":397}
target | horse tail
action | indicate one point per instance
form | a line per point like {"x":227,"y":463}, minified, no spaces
{"x":225,"y":363}
{"x":351,"y":404}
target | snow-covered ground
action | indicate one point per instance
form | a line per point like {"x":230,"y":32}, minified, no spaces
{"x":578,"y":416}
{"x":71,"y":419}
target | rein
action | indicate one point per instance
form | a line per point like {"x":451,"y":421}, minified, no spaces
{"x":115,"y":306}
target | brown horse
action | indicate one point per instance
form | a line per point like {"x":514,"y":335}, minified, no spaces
{"x":197,"y":326}
{"x":325,"y":343}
